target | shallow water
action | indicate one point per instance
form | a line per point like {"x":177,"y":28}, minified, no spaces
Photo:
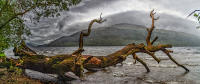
{"x":166,"y":72}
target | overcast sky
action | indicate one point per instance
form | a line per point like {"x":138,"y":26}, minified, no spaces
{"x":172,"y":14}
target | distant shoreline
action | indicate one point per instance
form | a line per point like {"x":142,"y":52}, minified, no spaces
{"x":123,"y":34}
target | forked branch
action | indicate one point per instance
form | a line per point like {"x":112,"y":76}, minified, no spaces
{"x":150,"y":49}
{"x":150,"y":30}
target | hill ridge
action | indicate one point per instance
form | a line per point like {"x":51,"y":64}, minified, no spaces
{"x":122,"y":34}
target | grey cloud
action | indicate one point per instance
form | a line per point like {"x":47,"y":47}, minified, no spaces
{"x":172,"y":16}
{"x":89,"y":4}
{"x":166,"y":21}
{"x":179,"y":5}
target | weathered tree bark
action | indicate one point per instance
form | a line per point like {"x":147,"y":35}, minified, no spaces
{"x":75,"y":62}
{"x":64,"y":63}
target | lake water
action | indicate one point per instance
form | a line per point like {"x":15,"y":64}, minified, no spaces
{"x":166,"y":72}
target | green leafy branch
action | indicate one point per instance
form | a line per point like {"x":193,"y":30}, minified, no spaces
{"x":196,"y":14}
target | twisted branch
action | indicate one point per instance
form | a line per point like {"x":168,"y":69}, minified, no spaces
{"x":150,"y":30}
{"x":83,"y":34}
{"x":78,"y":63}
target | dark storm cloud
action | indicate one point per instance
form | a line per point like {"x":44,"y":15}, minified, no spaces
{"x":172,"y":16}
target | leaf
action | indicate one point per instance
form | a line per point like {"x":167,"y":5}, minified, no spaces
{"x":15,"y":30}
{"x":195,"y":15}
{"x":2,"y":55}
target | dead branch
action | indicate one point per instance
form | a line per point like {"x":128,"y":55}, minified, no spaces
{"x":150,"y":30}
{"x":142,"y":62}
{"x":83,"y":34}
{"x":167,"y":52}
{"x":160,"y":47}
{"x":151,"y":54}
{"x":155,"y":39}
{"x":78,"y":53}
{"x":192,"y":13}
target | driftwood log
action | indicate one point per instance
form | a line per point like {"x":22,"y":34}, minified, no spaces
{"x":76,"y":62}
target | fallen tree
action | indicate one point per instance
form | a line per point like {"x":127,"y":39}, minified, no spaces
{"x":76,"y":62}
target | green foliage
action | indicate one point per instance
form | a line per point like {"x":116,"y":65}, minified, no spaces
{"x":15,"y":70}
{"x":198,"y":18}
{"x":2,"y":55}
{"x":11,"y":33}
{"x":51,"y":8}
{"x":14,"y":12}
{"x":196,"y":15}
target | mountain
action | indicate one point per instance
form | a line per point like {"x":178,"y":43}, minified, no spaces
{"x":122,"y":34}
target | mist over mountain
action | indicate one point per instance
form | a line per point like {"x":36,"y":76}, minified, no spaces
{"x":172,"y":14}
{"x":123,"y":34}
